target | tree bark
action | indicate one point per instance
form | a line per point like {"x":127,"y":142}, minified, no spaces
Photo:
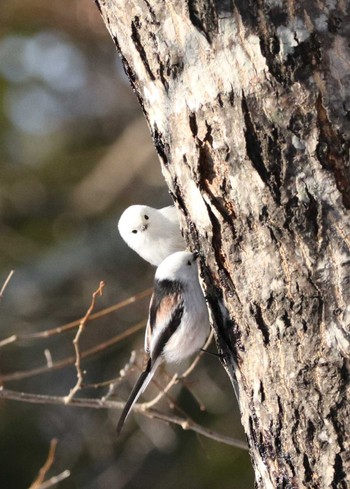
{"x":248,"y":103}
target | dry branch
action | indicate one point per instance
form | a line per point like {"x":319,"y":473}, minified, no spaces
{"x":47,"y":465}
{"x":78,"y":355}
{"x":185,"y":423}
{"x":5,"y":284}
{"x":73,"y":324}
{"x":55,"y":480}
{"x":24,"y":374}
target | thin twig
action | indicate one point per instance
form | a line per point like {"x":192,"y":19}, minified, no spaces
{"x":123,"y":372}
{"x":196,"y":397}
{"x":67,"y":327}
{"x":99,"y":404}
{"x":163,"y":392}
{"x":23,"y":374}
{"x":10,"y":339}
{"x":6,"y":283}
{"x":55,"y":480}
{"x":81,"y":328}
{"x":46,"y":467}
{"x":192,"y":426}
{"x":48,"y":357}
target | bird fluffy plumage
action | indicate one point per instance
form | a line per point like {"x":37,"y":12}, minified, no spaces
{"x":178,"y":321}
{"x":153,"y":233}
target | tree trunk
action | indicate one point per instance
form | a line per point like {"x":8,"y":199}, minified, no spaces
{"x":248,"y":103}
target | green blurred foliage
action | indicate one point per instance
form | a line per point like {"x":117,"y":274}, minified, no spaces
{"x":74,"y":153}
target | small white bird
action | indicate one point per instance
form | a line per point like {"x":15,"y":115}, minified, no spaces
{"x":178,"y":321}
{"x":153,"y":233}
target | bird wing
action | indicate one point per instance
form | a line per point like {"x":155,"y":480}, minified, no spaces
{"x":167,"y":297}
{"x":165,"y":314}
{"x":166,"y":307}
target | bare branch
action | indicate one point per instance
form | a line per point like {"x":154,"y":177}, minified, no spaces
{"x":67,"y":327}
{"x":7,"y":341}
{"x":6,"y":283}
{"x":82,"y":325}
{"x":46,"y":467}
{"x":192,"y":426}
{"x":123,"y":372}
{"x":23,"y":374}
{"x":107,"y":404}
{"x":48,"y":357}
{"x":55,"y":480}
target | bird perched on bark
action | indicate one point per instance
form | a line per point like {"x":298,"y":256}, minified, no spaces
{"x":153,"y":233}
{"x":178,"y":321}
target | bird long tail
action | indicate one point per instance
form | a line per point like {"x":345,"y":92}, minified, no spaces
{"x":138,"y":389}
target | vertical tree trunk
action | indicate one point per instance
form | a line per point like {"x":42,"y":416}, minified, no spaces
{"x":248,"y":103}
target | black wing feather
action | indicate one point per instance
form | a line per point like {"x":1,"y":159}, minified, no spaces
{"x":167,"y":333}
{"x":162,"y":288}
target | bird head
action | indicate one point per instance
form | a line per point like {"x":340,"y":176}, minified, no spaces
{"x":179,"y":266}
{"x":136,"y":223}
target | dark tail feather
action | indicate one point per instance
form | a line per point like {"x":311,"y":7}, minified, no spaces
{"x":139,"y":387}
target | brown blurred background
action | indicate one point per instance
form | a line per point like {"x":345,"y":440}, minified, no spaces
{"x":75,"y":151}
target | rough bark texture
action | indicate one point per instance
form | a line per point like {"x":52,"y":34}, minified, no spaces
{"x":248,"y":103}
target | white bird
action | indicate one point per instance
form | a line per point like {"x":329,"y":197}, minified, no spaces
{"x":178,"y":321}
{"x":153,"y":233}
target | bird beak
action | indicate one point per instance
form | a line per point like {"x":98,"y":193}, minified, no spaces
{"x":144,"y":227}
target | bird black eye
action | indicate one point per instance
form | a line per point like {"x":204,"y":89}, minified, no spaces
{"x":189,"y":263}
{"x":134,"y":231}
{"x":146,"y":217}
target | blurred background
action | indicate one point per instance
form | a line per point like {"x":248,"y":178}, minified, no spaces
{"x":75,"y":152}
